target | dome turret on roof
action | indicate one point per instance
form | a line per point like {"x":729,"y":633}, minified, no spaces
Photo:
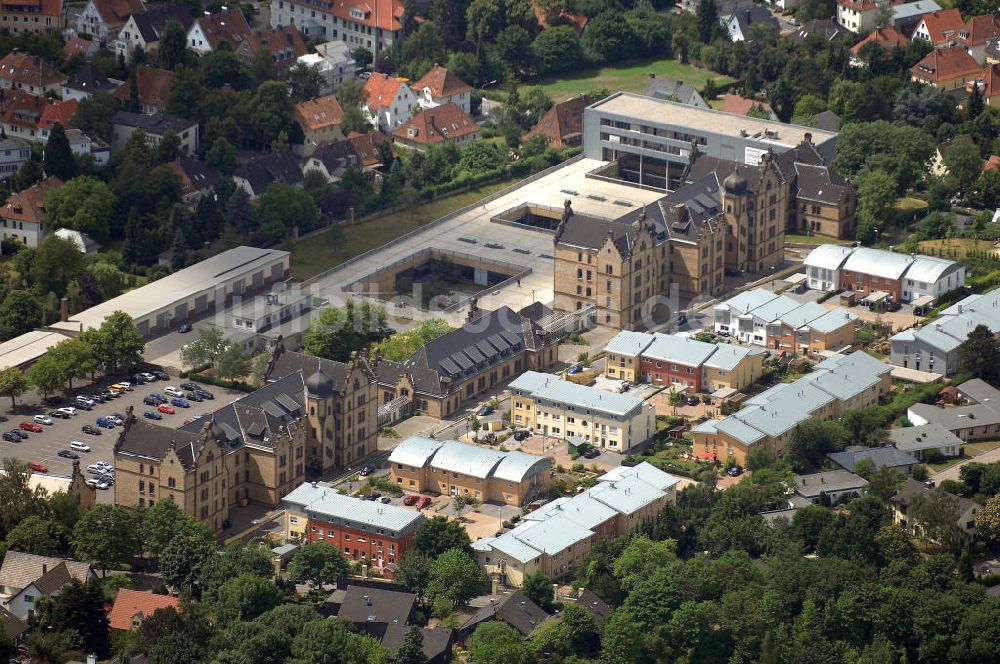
{"x":319,"y":384}
{"x":735,"y":183}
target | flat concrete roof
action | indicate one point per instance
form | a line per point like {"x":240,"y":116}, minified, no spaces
{"x":177,"y":287}
{"x":28,"y":347}
{"x":641,"y":108}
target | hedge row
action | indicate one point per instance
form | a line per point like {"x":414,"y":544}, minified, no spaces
{"x":222,"y":382}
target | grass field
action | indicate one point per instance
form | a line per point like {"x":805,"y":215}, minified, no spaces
{"x":316,"y":254}
{"x":631,"y":77}
{"x":959,"y":245}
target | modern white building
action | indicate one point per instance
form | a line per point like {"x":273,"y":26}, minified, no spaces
{"x":334,"y":62}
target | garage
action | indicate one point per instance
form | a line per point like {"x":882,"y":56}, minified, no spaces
{"x":277,"y":272}
{"x":162,"y":321}
{"x":181,"y":312}
{"x":201,"y":303}
{"x":257,"y":280}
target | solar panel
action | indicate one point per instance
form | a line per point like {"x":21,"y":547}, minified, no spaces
{"x":229,"y":431}
{"x":271,"y":409}
{"x":462,"y":361}
{"x":474,"y":354}
{"x":289,"y":403}
{"x":449,"y":366}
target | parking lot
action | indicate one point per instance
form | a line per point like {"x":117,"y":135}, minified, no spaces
{"x":44,"y":446}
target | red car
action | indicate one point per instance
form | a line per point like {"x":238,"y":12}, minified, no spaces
{"x":39,"y":467}
{"x":409,"y":501}
{"x":30,"y":426}
{"x":164,"y":408}
{"x":423,"y":502}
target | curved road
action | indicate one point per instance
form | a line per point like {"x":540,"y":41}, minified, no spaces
{"x":951,"y":473}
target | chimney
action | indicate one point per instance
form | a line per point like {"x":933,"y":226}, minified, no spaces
{"x":368,"y":600}
{"x":64,"y":309}
{"x":678,"y":213}
{"x":960,"y":308}
{"x":45,"y":568}
{"x":808,"y":137}
{"x":822,"y":480}
{"x":567,"y":210}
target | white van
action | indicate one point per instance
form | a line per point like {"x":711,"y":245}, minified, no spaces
{"x":77,"y":446}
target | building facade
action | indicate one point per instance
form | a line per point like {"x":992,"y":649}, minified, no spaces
{"x":377,"y":26}
{"x":22,"y":16}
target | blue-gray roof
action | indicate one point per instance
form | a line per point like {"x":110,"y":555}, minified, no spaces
{"x":802,"y":315}
{"x":728,"y":356}
{"x":516,"y":465}
{"x":627,"y":495}
{"x":888,"y":457}
{"x":645,"y":471}
{"x":471,"y":460}
{"x":832,"y":320}
{"x":811,"y":486}
{"x":415,"y":451}
{"x":682,"y":350}
{"x":333,"y":507}
{"x":774,"y":309}
{"x":579,"y":396}
{"x":747,"y":300}
{"x":738,"y":429}
{"x":629,"y":343}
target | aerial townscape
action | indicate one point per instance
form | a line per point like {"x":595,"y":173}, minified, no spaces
{"x":499,"y":332}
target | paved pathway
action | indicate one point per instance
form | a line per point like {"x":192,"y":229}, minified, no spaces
{"x":951,"y":473}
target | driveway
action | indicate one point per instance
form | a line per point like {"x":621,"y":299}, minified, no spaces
{"x":951,"y":473}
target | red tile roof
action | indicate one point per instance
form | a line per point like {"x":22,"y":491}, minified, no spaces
{"x":319,"y":112}
{"x":34,"y":7}
{"x":115,"y":13}
{"x":943,"y":64}
{"x":154,"y":87}
{"x":21,"y":109}
{"x":858,"y":5}
{"x":978,"y":30}
{"x":59,"y":111}
{"x":131,"y":603}
{"x":442,"y":83}
{"x":284,"y":42}
{"x":29,"y":204}
{"x":741,"y":105}
{"x":384,"y":14}
{"x":381,"y":90}
{"x":26,"y":69}
{"x":941,"y":22}
{"x":441,"y":124}
{"x":228,"y":24}
{"x":78,"y":45}
{"x":887,"y":38}
{"x":563,"y":123}
{"x":366,"y":147}
{"x":992,"y":163}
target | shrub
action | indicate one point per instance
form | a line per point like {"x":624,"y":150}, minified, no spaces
{"x":933,"y":456}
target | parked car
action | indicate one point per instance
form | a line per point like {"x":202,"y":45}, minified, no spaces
{"x":42,"y":419}
{"x":123,"y":385}
{"x":84,"y":404}
{"x":575,"y":369}
{"x":161,"y":375}
{"x":521,"y":435}
{"x":98,"y":483}
{"x":105,"y":423}
{"x":374,"y":495}
{"x":164,"y":408}
{"x":692,"y":400}
{"x":385,"y":500}
{"x":68,"y":410}
{"x":150,"y":377}
{"x":484,"y":411}
{"x":17,"y":433}
{"x":159,"y":397}
{"x":173,"y":391}
{"x":204,"y":394}
{"x":152,"y":415}
{"x":95,"y":469}
{"x":180,"y":402}
{"x":58,"y":414}
{"x":66,"y":454}
{"x":105,"y":465}
{"x":423,"y":502}
{"x":90,"y":429}
{"x":117,"y":418}
{"x":592,"y":453}
{"x":138,"y":379}
{"x":735,"y":471}
{"x":108,"y":395}
{"x":151,"y":401}
{"x":79,"y":447}
{"x":410,"y":501}
{"x":366,"y":471}
{"x":39,"y":467}
{"x":30,"y":426}
{"x":184,"y":328}
{"x":11,"y":437}
{"x":189,"y":386}
{"x":193,"y":396}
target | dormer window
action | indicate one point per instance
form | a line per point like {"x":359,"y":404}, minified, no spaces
{"x":357,"y":13}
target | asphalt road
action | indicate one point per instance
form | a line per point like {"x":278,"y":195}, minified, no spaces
{"x":44,"y":446}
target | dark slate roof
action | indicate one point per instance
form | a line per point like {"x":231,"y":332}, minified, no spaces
{"x":152,"y":22}
{"x":803,"y":153}
{"x":517,"y":610}
{"x":337,"y":156}
{"x":264,"y":170}
{"x":198,"y":172}
{"x":386,"y":371}
{"x":703,"y":165}
{"x":826,"y":120}
{"x":592,"y":232}
{"x":285,"y":363}
{"x":254,"y":419}
{"x":703,"y":203}
{"x":826,"y":29}
{"x":436,"y":642}
{"x":749,"y":15}
{"x":819,"y":183}
{"x":158,"y":123}
{"x":888,"y":457}
{"x":665,"y":88}
{"x":10,"y":625}
{"x":374,"y":605}
{"x":597,"y":607}
{"x":485,"y":342}
{"x":89,"y":79}
{"x":153,"y":441}
{"x":50,"y":582}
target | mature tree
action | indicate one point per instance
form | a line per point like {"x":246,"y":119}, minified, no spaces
{"x":572,"y":633}
{"x":319,"y":638}
{"x":13,"y":382}
{"x":937,"y":513}
{"x":173,"y":46}
{"x":513,"y":47}
{"x":18,"y":500}
{"x":411,"y":650}
{"x":59,"y":160}
{"x":815,"y":9}
{"x":414,"y":572}
{"x":539,"y":589}
{"x":234,"y":362}
{"x":812,"y":440}
{"x":160,"y":524}
{"x":271,"y":112}
{"x":979,"y":354}
{"x":36,"y":535}
{"x":80,"y":607}
{"x":185,"y":558}
{"x":338,"y":331}
{"x":496,"y":642}
{"x":439,"y":534}
{"x":245,"y":597}
{"x":319,"y":563}
{"x":239,"y":214}
{"x":557,"y":49}
{"x":455,"y":577}
{"x":883,"y":13}
{"x":57,"y":261}
{"x":84,"y":204}
{"x":876,"y":197}
{"x":805,"y":108}
{"x":93,"y":115}
{"x":117,"y":343}
{"x":640,"y":558}
{"x":978,"y":635}
{"x":808,"y":523}
{"x":896,"y":545}
{"x":988,"y":519}
{"x":305,"y":82}
{"x":865,"y":425}
{"x":900,"y":151}
{"x":608,"y":38}
{"x":105,"y":534}
{"x":283,"y":208}
{"x":449,"y":18}
{"x":20,"y":312}
{"x":963,"y":161}
{"x":110,"y":280}
{"x":708,"y":20}
{"x":47,"y":647}
{"x":236,"y":559}
{"x":76,"y":356}
{"x":48,"y":374}
{"x":221,"y":157}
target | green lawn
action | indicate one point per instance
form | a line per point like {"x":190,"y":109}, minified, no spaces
{"x":631,"y":77}
{"x":316,"y":254}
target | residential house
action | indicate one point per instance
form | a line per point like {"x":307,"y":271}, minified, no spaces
{"x":963,"y":509}
{"x":977,"y":419}
{"x":438,"y":125}
{"x":30,"y":73}
{"x":103,"y":19}
{"x":866,"y":270}
{"x":84,"y":243}
{"x":516,"y":609}
{"x":24,"y":577}
{"x":21,"y":16}
{"x":12,"y":627}
{"x":831,"y":487}
{"x":906,"y":15}
{"x":938,"y":27}
{"x":142,"y":31}
{"x":56,"y":113}
{"x":87,"y":81}
{"x":976,"y":34}
{"x":918,"y":440}
{"x":885,"y":38}
{"x":948,"y":68}
{"x":196,"y":178}
{"x":488,"y":351}
{"x":674,"y":90}
{"x":732,"y":368}
{"x":622,"y":355}
{"x":451,"y":468}
{"x":366,"y":531}
{"x":812,"y":328}
{"x":376,"y":25}
{"x":229,"y":25}
{"x":283,"y":42}
{"x":727,"y":313}
{"x":332,"y":159}
{"x":880,"y":457}
{"x":738,"y":23}
{"x":132,"y":607}
{"x":334,"y":62}
{"x":13,"y":153}
{"x":153,"y":86}
{"x":22,"y":217}
{"x":389,"y":102}
{"x":436,"y":642}
{"x":84,"y":145}
{"x":320,"y":119}
{"x":255,"y":176}
{"x":856,"y":15}
{"x":439,"y":87}
{"x":373,"y":607}
{"x":548,"y":405}
{"x":733,"y":103}
{"x":823,"y":29}
{"x":88,"y":48}
{"x":155,"y":126}
{"x":675,"y":361}
{"x":562,"y":124}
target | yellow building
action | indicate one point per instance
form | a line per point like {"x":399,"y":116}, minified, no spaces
{"x":549,"y":406}
{"x":733,"y":367}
